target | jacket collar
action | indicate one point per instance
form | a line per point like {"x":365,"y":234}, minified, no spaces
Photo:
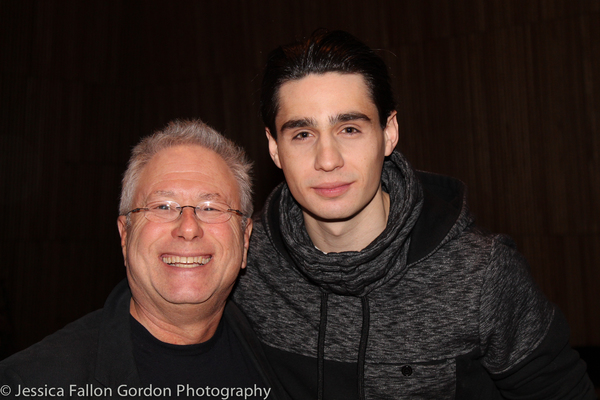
{"x":440,"y":213}
{"x":115,"y":364}
{"x":353,"y":272}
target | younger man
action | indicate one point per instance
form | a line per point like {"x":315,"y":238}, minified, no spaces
{"x":370,"y":280}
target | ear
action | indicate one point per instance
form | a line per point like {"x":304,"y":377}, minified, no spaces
{"x":391,"y":133}
{"x":247,"y":233}
{"x":122,"y":225}
{"x":273,"y":148}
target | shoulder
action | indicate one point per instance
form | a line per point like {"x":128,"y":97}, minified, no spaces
{"x":259,"y":238}
{"x":57,"y":358}
{"x":515,"y":315}
{"x":241,"y":327}
{"x":70,"y":355}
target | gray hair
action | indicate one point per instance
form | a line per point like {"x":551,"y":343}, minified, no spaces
{"x":194,"y":132}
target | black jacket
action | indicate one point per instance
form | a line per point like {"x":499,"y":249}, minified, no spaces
{"x":93,"y":356}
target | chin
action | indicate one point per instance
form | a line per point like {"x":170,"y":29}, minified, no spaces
{"x":186,"y":296}
{"x":188,"y":299}
{"x":331,"y":214}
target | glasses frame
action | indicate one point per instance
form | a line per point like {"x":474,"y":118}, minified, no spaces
{"x":230,"y":211}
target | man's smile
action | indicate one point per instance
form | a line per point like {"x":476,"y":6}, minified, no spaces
{"x":186,"y":262}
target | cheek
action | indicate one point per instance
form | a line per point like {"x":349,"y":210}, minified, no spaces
{"x":237,"y":240}
{"x":142,"y":237}
{"x":372,"y":161}
{"x":294,"y":162}
{"x":298,"y":172}
{"x":374,"y":175}
{"x":228,"y":235}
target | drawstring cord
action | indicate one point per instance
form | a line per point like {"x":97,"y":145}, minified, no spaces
{"x":321,"y":347}
{"x":362,"y":350}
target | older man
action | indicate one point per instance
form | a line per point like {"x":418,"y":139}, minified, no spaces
{"x":168,"y":330}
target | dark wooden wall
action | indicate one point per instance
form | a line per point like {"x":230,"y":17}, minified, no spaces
{"x":504,"y":94}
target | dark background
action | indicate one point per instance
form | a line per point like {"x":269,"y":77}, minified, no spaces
{"x":502,"y":94}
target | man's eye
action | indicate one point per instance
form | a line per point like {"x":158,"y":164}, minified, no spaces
{"x":302,"y":135}
{"x":350,"y":130}
{"x":162,"y":207}
{"x":209,"y":208}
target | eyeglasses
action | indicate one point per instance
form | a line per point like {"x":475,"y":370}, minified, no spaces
{"x":168,"y":211}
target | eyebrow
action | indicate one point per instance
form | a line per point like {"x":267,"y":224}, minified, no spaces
{"x":211,"y":196}
{"x":336,"y":119}
{"x":346,"y":117}
{"x":299,"y":123}
{"x":201,"y":197}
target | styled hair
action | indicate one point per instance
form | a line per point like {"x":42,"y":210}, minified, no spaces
{"x":194,"y":132}
{"x":322,"y":52}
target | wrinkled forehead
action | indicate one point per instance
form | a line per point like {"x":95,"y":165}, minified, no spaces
{"x":199,"y":197}
{"x":191,"y":173}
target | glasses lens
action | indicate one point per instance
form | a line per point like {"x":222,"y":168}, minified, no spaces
{"x":213,"y":213}
{"x":163,"y":211}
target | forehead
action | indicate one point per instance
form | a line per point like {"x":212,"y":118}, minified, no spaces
{"x":326,"y":95}
{"x":187,"y":172}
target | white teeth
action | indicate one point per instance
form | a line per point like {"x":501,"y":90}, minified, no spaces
{"x":186,"y":262}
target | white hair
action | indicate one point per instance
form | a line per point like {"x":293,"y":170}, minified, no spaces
{"x":191,"y":132}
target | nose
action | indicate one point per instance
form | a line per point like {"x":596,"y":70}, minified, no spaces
{"x":328,"y":157}
{"x":188,"y":226}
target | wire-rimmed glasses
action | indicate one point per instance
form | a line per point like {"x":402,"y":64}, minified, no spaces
{"x":168,"y":211}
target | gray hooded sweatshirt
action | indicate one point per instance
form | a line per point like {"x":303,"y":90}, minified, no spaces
{"x":433,"y":308}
